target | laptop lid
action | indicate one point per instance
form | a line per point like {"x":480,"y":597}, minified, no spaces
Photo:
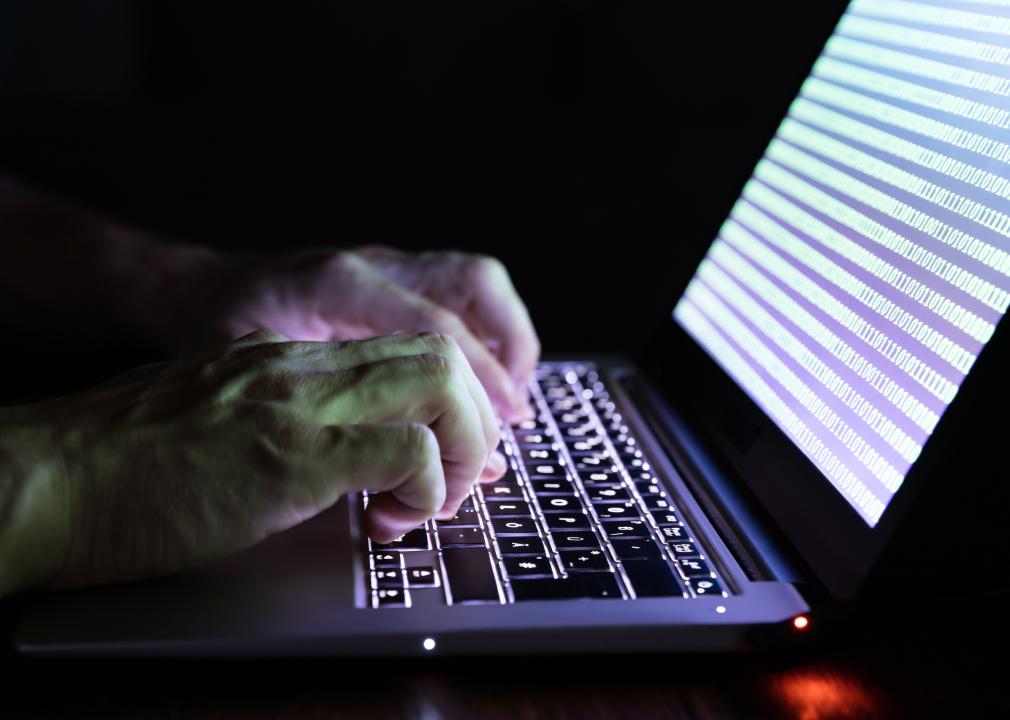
{"x":834,"y":327}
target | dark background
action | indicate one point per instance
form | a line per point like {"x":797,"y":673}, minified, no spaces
{"x":594,"y":146}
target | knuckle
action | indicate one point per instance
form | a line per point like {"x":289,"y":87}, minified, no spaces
{"x":437,"y":368}
{"x":480,"y":268}
{"x":420,"y":441}
{"x":440,"y":342}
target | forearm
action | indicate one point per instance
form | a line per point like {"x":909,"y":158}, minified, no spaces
{"x":35,"y":507}
{"x":64,"y":268}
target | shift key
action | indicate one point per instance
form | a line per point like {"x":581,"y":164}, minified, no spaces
{"x":469,"y":574}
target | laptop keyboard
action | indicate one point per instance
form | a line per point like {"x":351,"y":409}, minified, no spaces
{"x":579,"y":514}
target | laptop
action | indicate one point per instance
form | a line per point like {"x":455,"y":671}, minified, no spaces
{"x":750,"y":466}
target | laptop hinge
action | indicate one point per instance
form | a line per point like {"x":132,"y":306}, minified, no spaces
{"x":760,"y":550}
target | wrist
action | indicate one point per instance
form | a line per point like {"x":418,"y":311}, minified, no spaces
{"x":35,"y":506}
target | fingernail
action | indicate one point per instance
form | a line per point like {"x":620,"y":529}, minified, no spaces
{"x":496,"y":463}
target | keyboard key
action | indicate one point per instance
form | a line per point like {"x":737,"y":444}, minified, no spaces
{"x":552,"y":487}
{"x":508,"y":508}
{"x":514,"y":526}
{"x":386,"y":560}
{"x":533,"y":439}
{"x":567,"y":521}
{"x":529,"y":566}
{"x":505,"y":490}
{"x":603,"y":474}
{"x":544,"y":471}
{"x":572,"y":540}
{"x":672,"y":533}
{"x":392,"y":597}
{"x":422,"y":576}
{"x":466,"y":516}
{"x":387,"y":578}
{"x":652,"y":578}
{"x":582,"y":585}
{"x":560,"y":503}
{"x":607,"y":494}
{"x":469,"y":575}
{"x":648,"y":487}
{"x":629,"y":549}
{"x":621,"y":528}
{"x":617,"y":510}
{"x":684,"y":549}
{"x":694,"y":567}
{"x":584,"y":560}
{"x":521,"y":545}
{"x":657,"y":502}
{"x":539,"y":456}
{"x":705,"y":586}
{"x":452,"y":536}
{"x":665,"y":518}
{"x":416,"y":539}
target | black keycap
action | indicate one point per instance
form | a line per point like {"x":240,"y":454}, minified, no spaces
{"x":536,"y":426}
{"x":508,"y":508}
{"x":388,"y":578}
{"x":416,"y":539}
{"x":648,"y":487}
{"x":529,"y":439}
{"x":552,"y":487}
{"x":545,"y":471}
{"x":617,"y":510}
{"x":584,"y":560}
{"x":665,"y":518}
{"x":652,"y":578}
{"x":505,"y":490}
{"x":684,"y":549}
{"x":705,"y":586}
{"x":572,"y":540}
{"x":514,"y":526}
{"x":422,"y":576}
{"x":521,"y":545}
{"x":540,"y":456}
{"x":469,"y":575}
{"x":528,"y":566}
{"x":450,"y":536}
{"x":619,"y":528}
{"x":673,"y":533}
{"x":581,"y":585}
{"x":601,"y":477}
{"x":607,"y":494}
{"x":593,"y":464}
{"x":392,"y":597}
{"x":657,"y":502}
{"x":694,"y":567}
{"x":386,"y":560}
{"x":629,"y":549}
{"x":466,"y":516}
{"x":560,"y":503}
{"x":567,"y":521}
{"x":589,"y":444}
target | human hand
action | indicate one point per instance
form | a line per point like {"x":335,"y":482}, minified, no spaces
{"x":177,"y":464}
{"x":340,"y":295}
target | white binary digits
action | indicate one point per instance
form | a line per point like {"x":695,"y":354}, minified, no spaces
{"x":867,"y":261}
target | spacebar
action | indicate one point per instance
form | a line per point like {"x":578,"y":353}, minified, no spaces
{"x":468,"y":570}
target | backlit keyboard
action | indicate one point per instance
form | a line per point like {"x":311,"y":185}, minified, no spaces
{"x":579,"y":514}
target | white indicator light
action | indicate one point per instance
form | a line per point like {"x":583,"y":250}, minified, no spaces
{"x":428,"y":644}
{"x":720,"y":609}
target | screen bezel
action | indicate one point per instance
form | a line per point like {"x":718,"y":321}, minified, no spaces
{"x":832,"y":538}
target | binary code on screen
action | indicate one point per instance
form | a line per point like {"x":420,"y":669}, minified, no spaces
{"x":867,"y":260}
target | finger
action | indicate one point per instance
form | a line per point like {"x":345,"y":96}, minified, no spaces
{"x":398,"y":462}
{"x":496,"y":309}
{"x":395,"y":307}
{"x":330,"y":357}
{"x":426,"y":389}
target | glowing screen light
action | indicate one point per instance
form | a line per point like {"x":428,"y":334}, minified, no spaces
{"x":867,"y":261}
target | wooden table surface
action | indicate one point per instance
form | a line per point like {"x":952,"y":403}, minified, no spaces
{"x":930,"y":661}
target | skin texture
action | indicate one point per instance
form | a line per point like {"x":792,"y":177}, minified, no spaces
{"x":178,"y":464}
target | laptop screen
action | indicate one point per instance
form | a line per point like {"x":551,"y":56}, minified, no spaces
{"x":867,"y":261}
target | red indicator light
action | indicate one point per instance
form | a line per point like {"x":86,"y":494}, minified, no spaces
{"x":801,"y":622}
